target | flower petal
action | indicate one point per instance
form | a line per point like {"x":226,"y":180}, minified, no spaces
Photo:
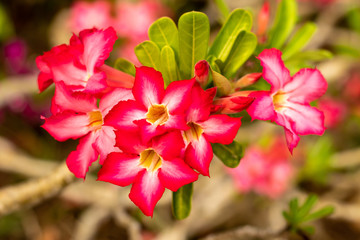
{"x":80,"y":160}
{"x":129,"y":142}
{"x":148,"y":86}
{"x":123,"y":115}
{"x":306,"y":86}
{"x":201,"y":103}
{"x":105,"y":142}
{"x":262,"y":107}
{"x":67,"y":125}
{"x":109,"y":100}
{"x":120,"y":169}
{"x":274,"y":70}
{"x":178,"y":95}
{"x":220,"y":128}
{"x":176,"y":173}
{"x":146,"y":191}
{"x":96,"y":83}
{"x":169,"y":145}
{"x":199,"y":154}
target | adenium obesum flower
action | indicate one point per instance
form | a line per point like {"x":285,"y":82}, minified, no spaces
{"x":334,"y":111}
{"x":265,"y":171}
{"x":233,"y":103}
{"x":150,"y":167}
{"x":79,"y":64}
{"x":201,"y":72}
{"x":205,"y":129}
{"x":288,"y":101}
{"x":154,"y":109}
{"x":77,"y":116}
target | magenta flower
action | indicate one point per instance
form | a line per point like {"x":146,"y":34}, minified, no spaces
{"x":265,"y":171}
{"x":78,"y":64}
{"x":77,"y":116}
{"x":154,"y":109}
{"x":150,"y":167}
{"x":205,"y":129}
{"x":288,"y":101}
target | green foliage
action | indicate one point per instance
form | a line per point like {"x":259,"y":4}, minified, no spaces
{"x":223,"y":8}
{"x":298,"y":215}
{"x":238,"y":20}
{"x":285,"y":20}
{"x":244,"y":46}
{"x":169,"y":67}
{"x":148,"y":54}
{"x":230,"y":154}
{"x":181,"y":204}
{"x":224,"y":86}
{"x":125,"y":66}
{"x":304,"y":59}
{"x":353,"y":19}
{"x":6,"y":26}
{"x":164,"y":32}
{"x":300,"y":39}
{"x":194,"y":31}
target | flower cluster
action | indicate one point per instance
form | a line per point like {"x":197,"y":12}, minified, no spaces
{"x":144,"y":135}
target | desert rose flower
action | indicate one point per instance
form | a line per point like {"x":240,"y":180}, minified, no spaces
{"x":77,"y":116}
{"x":288,"y":101}
{"x":205,"y":129}
{"x":154,"y":109}
{"x":334,"y":111}
{"x":150,"y":167}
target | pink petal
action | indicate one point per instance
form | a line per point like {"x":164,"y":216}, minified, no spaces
{"x":123,"y":115}
{"x":220,"y":128}
{"x":233,"y":104}
{"x":169,"y":145}
{"x":120,"y":169}
{"x":130,"y":142}
{"x":175,"y":174}
{"x":199,"y":154}
{"x":201,"y":103}
{"x":304,"y":119}
{"x":44,"y":81}
{"x":274,"y":70}
{"x":146,"y":191}
{"x":65,"y":100}
{"x":97,"y":46}
{"x":67,"y":125}
{"x":292,"y":139}
{"x":176,"y":122}
{"x":306,"y":86}
{"x":148,"y":86}
{"x":109,"y":100}
{"x":96,"y":83}
{"x":80,"y":160}
{"x":105,"y":142}
{"x":263,"y":107}
{"x":178,"y":95}
{"x":149,"y":130}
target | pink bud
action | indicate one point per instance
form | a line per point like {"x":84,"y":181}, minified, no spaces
{"x":202,"y":72}
{"x":263,"y":18}
{"x":247,"y":80}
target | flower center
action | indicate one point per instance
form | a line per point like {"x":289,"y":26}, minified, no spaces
{"x":157,"y":114}
{"x":150,"y":160}
{"x":194,"y":133}
{"x":279,"y":100}
{"x":95,"y":119}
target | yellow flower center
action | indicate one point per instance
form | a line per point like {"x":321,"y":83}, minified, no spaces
{"x":95,"y":119}
{"x":194,"y":133}
{"x":150,"y":160}
{"x":157,"y":114}
{"x":279,"y":100}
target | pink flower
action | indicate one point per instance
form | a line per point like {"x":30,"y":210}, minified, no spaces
{"x":77,"y":116}
{"x":85,"y":15}
{"x":334,"y":111}
{"x":79,"y":64}
{"x":233,"y":103}
{"x":202,"y":72}
{"x":264,"y":171}
{"x":150,"y":167}
{"x":154,"y":109}
{"x":288,"y":101}
{"x":205,"y":129}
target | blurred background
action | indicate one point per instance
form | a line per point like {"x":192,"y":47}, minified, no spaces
{"x":242,"y":203}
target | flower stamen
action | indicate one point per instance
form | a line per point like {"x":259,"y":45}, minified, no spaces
{"x":150,"y":160}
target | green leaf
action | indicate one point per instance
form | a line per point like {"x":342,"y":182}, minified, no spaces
{"x":324,"y":212}
{"x":294,"y":206}
{"x":181,"y":204}
{"x":164,"y":32}
{"x":307,"y":206}
{"x":353,"y":18}
{"x":285,"y":20}
{"x":148,"y":54}
{"x":125,"y":66}
{"x":244,"y":46}
{"x":238,"y":20}
{"x":230,"y":154}
{"x":194,"y":31}
{"x":6,"y":26}
{"x":223,"y":8}
{"x":347,"y":50}
{"x":309,"y":56}
{"x":224,"y":86}
{"x":308,"y":229}
{"x":300,"y":39}
{"x":169,"y":67}
{"x":213,"y":62}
